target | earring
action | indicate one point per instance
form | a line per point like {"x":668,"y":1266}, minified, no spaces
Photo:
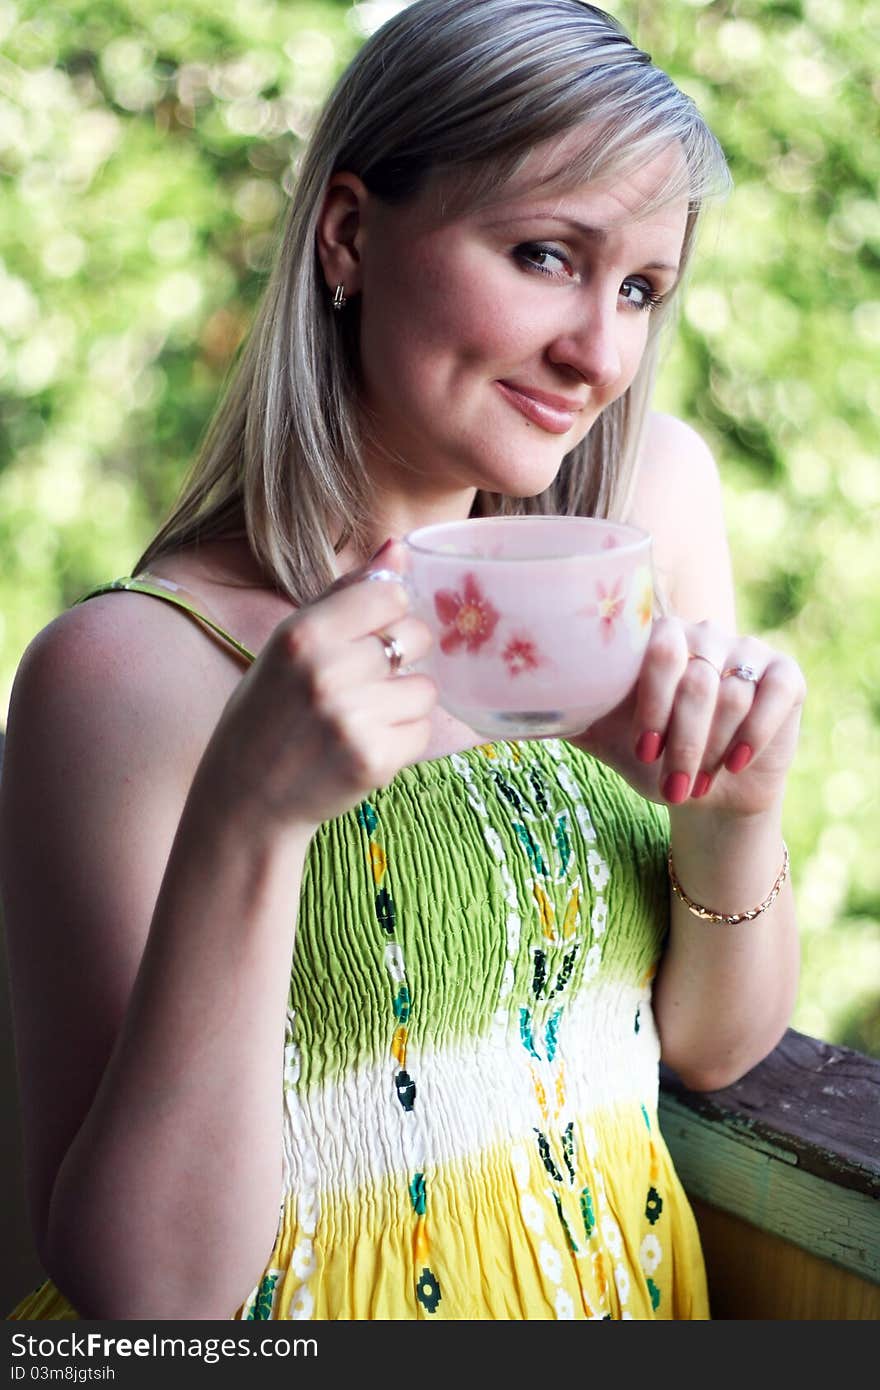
{"x":340,"y":298}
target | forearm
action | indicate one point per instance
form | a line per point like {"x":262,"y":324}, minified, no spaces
{"x":166,"y":1204}
{"x":724,"y":993}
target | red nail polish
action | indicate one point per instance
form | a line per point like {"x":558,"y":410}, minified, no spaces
{"x":739,"y":758}
{"x":676,"y":786}
{"x":382,"y":548}
{"x":648,"y":747}
{"x":702,"y":783}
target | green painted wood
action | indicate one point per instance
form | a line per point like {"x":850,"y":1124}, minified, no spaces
{"x":815,"y":1101}
{"x":729,"y":1165}
{"x":792,"y":1148}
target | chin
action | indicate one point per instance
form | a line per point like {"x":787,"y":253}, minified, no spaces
{"x":527,"y":481}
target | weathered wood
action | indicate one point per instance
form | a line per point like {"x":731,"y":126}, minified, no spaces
{"x":819,"y":1102}
{"x":793,"y":1149}
{"x":753,"y":1274}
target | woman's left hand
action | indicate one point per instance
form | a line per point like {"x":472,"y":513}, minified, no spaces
{"x":713,"y":719}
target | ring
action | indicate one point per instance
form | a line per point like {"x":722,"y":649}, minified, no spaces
{"x":392,"y":649}
{"x":745,"y":673}
{"x":697,"y":656}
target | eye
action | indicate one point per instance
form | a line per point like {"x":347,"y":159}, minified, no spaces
{"x":640,"y":294}
{"x":547,"y":260}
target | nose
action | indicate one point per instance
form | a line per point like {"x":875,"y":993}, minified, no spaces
{"x":590,"y":344}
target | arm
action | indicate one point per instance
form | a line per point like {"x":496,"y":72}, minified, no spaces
{"x":723,"y":994}
{"x":150,"y":871}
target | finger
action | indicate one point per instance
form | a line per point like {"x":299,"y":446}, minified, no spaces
{"x":779,"y":693}
{"x":386,"y":704}
{"x":735,"y":699}
{"x":662,"y":666}
{"x":413,"y":640}
{"x":394,"y":748}
{"x":378,"y":725}
{"x":343,"y":615}
{"x":389,"y":563}
{"x":690,"y":723}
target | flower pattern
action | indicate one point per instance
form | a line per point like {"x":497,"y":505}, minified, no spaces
{"x":261,"y":1309}
{"x":650,"y":1253}
{"x":597,"y":869}
{"x":608,"y":608}
{"x":592,"y":962}
{"x":302,"y":1305}
{"x":531,"y":1213}
{"x":640,"y":605}
{"x":611,"y":1236}
{"x":302,"y":1261}
{"x":564,"y":1306}
{"x":653,"y":1205}
{"x":468,"y":617}
{"x":520,"y":655}
{"x":551,"y":1261}
{"x":428,"y":1291}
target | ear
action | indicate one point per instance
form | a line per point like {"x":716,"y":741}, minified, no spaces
{"x":340,"y":230}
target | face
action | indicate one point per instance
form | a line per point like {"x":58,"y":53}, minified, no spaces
{"x":490,"y":342}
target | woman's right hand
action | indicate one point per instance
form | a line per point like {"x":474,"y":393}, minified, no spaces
{"x":319,"y":720}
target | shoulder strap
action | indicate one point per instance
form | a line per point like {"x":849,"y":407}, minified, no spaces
{"x":155,"y":587}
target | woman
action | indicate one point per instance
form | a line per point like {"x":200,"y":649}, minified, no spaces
{"x":442,"y":1063}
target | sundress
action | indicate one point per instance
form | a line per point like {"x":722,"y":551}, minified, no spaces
{"x":470,"y":1071}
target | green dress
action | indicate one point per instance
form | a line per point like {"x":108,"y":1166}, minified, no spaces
{"x":470,"y":1069}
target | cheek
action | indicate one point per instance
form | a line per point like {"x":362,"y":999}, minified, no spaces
{"x":634,"y":341}
{"x":415,"y":326}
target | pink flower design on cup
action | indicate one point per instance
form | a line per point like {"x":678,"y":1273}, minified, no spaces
{"x":468,"y":616}
{"x":520,"y":655}
{"x":608,"y":607}
{"x":640,"y":606}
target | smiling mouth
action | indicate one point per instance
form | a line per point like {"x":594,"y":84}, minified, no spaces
{"x":550,"y":413}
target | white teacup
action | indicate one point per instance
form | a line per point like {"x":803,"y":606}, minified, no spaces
{"x":539,"y":622}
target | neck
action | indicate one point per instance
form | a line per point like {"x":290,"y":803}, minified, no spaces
{"x":394,"y":517}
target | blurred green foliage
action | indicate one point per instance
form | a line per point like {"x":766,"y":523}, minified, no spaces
{"x":146,"y":152}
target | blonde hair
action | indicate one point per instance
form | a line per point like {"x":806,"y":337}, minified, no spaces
{"x":463,"y":89}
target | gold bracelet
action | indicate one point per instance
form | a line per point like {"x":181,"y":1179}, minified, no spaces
{"x":730,"y":919}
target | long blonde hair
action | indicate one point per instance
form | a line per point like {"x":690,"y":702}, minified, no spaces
{"x":463,"y":88}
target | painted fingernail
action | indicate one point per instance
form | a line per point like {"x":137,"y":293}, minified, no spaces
{"x":382,"y":548}
{"x":739,"y":758}
{"x":676,"y":786}
{"x":702,"y":783}
{"x":649,"y":746}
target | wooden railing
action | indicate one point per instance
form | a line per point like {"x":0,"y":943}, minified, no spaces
{"x":783,"y":1170}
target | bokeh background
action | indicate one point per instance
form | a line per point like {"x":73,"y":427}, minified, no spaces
{"x":147,"y":151}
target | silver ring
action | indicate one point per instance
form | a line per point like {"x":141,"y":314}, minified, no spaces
{"x":698,"y":656}
{"x":745,"y":673}
{"x":393,"y":650}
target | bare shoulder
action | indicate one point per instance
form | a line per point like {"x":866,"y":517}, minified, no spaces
{"x":109,"y":716}
{"x":675,"y":457}
{"x":678,"y":498}
{"x":118,"y":660}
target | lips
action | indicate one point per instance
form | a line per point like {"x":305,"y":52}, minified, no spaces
{"x":555,"y":414}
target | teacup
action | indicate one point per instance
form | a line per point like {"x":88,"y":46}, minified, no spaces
{"x":539,"y":622}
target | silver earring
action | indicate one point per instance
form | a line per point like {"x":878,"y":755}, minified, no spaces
{"x":340,"y":298}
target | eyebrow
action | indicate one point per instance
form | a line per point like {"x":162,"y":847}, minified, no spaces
{"x":597,"y":234}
